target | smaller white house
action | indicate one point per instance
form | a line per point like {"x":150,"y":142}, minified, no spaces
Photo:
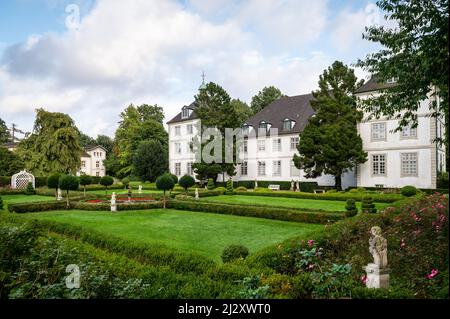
{"x":92,"y":161}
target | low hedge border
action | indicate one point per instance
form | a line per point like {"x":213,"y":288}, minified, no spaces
{"x":379,"y":198}
{"x":33,"y":207}
{"x":153,"y":254}
{"x":257,"y":211}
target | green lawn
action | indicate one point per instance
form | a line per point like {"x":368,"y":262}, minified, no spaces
{"x":329,"y":205}
{"x":204,"y":233}
{"x":134,"y":192}
{"x":13,"y":199}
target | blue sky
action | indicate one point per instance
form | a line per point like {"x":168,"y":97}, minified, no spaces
{"x":153,"y":51}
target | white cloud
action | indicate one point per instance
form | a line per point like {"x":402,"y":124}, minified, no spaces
{"x":154,"y":52}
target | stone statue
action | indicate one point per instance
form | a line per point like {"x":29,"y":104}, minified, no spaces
{"x":113,"y":202}
{"x":256,"y":184}
{"x":377,"y":272}
{"x":292,"y":185}
{"x":140,"y":189}
{"x":196,"y":194}
{"x":297,"y":186}
{"x":59,"y":195}
{"x":378,"y":247}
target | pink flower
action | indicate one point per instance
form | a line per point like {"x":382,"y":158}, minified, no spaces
{"x":310,"y":242}
{"x":402,"y":243}
{"x":364,"y":279}
{"x":433,"y":273}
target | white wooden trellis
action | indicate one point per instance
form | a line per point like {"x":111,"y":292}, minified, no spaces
{"x":21,"y":180}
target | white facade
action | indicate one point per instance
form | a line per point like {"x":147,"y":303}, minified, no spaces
{"x":407,"y":157}
{"x":92,"y":162}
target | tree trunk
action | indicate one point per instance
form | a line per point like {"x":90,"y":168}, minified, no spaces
{"x":56,"y":193}
{"x":68,"y":205}
{"x":164,"y":200}
{"x":84,"y":191}
{"x":338,"y":182}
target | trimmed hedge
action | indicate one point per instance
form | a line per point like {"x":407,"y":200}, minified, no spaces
{"x":8,"y":191}
{"x":32,"y":207}
{"x":5,"y":180}
{"x":257,"y":211}
{"x":380,"y":198}
{"x":205,"y":193}
{"x":308,"y":187}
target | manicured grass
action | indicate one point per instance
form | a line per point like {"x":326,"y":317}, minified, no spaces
{"x":204,"y":233}
{"x":14,"y":199}
{"x":134,"y":192}
{"x":328,"y":205}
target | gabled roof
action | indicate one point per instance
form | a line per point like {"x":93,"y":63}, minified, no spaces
{"x":374,"y":85}
{"x":178,"y":118}
{"x":93,"y":147}
{"x":84,"y":154}
{"x":296,"y":108}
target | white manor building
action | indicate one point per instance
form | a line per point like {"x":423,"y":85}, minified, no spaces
{"x":409,"y":157}
{"x":92,"y":161}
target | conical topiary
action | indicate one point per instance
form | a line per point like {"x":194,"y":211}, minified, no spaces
{"x":230,"y":186}
{"x":367,"y":205}
{"x":351,"y":209}
{"x":30,"y":189}
{"x":210,"y":184}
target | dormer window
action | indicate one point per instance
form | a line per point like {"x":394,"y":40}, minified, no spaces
{"x":288,"y":124}
{"x":185,"y":113}
{"x":264,"y":126}
{"x":245,"y":129}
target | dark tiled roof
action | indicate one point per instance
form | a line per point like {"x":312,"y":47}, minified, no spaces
{"x":84,"y":154}
{"x":374,"y":85}
{"x":296,"y":108}
{"x":178,"y":118}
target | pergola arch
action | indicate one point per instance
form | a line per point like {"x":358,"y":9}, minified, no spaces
{"x":21,"y":180}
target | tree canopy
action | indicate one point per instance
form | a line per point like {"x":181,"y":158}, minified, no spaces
{"x":330,"y":143}
{"x":150,"y":160}
{"x":264,"y":97}
{"x":54,"y":145}
{"x":4,"y":133}
{"x":10,"y":163}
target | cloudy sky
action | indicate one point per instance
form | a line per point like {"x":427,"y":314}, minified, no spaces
{"x":92,"y":58}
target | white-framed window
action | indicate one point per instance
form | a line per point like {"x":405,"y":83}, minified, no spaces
{"x":276,"y":168}
{"x":178,"y":148}
{"x":83,"y":164}
{"x":185,"y":113}
{"x":294,"y":170}
{"x":408,"y":132}
{"x":261,"y":168}
{"x":245,"y":145}
{"x":261,"y":145}
{"x":177,"y":130}
{"x":189,"y":168}
{"x":244,"y":169}
{"x":100,"y":154}
{"x":392,"y":80}
{"x":245,"y":129}
{"x":277,"y":145}
{"x":97,"y":164}
{"x":178,"y":169}
{"x":378,"y":131}
{"x":189,"y":129}
{"x":294,"y":143}
{"x":409,"y":164}
{"x":379,"y":164}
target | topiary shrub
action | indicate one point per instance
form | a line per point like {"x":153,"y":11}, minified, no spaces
{"x":210,"y":184}
{"x":408,"y":191}
{"x":234,"y":252}
{"x":174,"y":178}
{"x":85,"y":180}
{"x":331,"y":191}
{"x":125,"y":182}
{"x":68,"y":183}
{"x":53,"y":182}
{"x":350,"y":208}
{"x":30,"y":189}
{"x":220,"y":189}
{"x":353,"y":190}
{"x":367,"y":205}
{"x":165,"y":182}
{"x":106,"y":181}
{"x":241,"y":189}
{"x":186,"y":181}
{"x":230,"y":186}
{"x":183,"y":197}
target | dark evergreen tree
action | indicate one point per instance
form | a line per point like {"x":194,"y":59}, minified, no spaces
{"x":330,"y":143}
{"x":265,"y":97}
{"x":150,"y":160}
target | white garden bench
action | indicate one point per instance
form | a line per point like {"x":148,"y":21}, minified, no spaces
{"x":274,"y":187}
{"x":319,"y":191}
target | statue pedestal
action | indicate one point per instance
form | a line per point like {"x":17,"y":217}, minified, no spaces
{"x":114,"y":208}
{"x":376,"y":277}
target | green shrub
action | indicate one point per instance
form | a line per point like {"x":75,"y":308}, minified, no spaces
{"x":330,"y":191}
{"x":5,"y":181}
{"x":68,"y":183}
{"x":367,"y":205}
{"x":125,"y":182}
{"x":210,"y":185}
{"x":361,"y":189}
{"x":241,"y":189}
{"x":220,"y":189}
{"x":96,"y":179}
{"x":353,"y":191}
{"x":53,"y":182}
{"x":408,"y":191}
{"x":30,"y":189}
{"x":36,"y":207}
{"x":85,"y":180}
{"x":350,"y":207}
{"x":40,"y":181}
{"x":183,"y":197}
{"x":230,"y":186}
{"x":165,"y":182}
{"x":233,"y":252}
{"x":442,"y":180}
{"x":174,"y":178}
{"x":106,"y":181}
{"x":1,"y":203}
